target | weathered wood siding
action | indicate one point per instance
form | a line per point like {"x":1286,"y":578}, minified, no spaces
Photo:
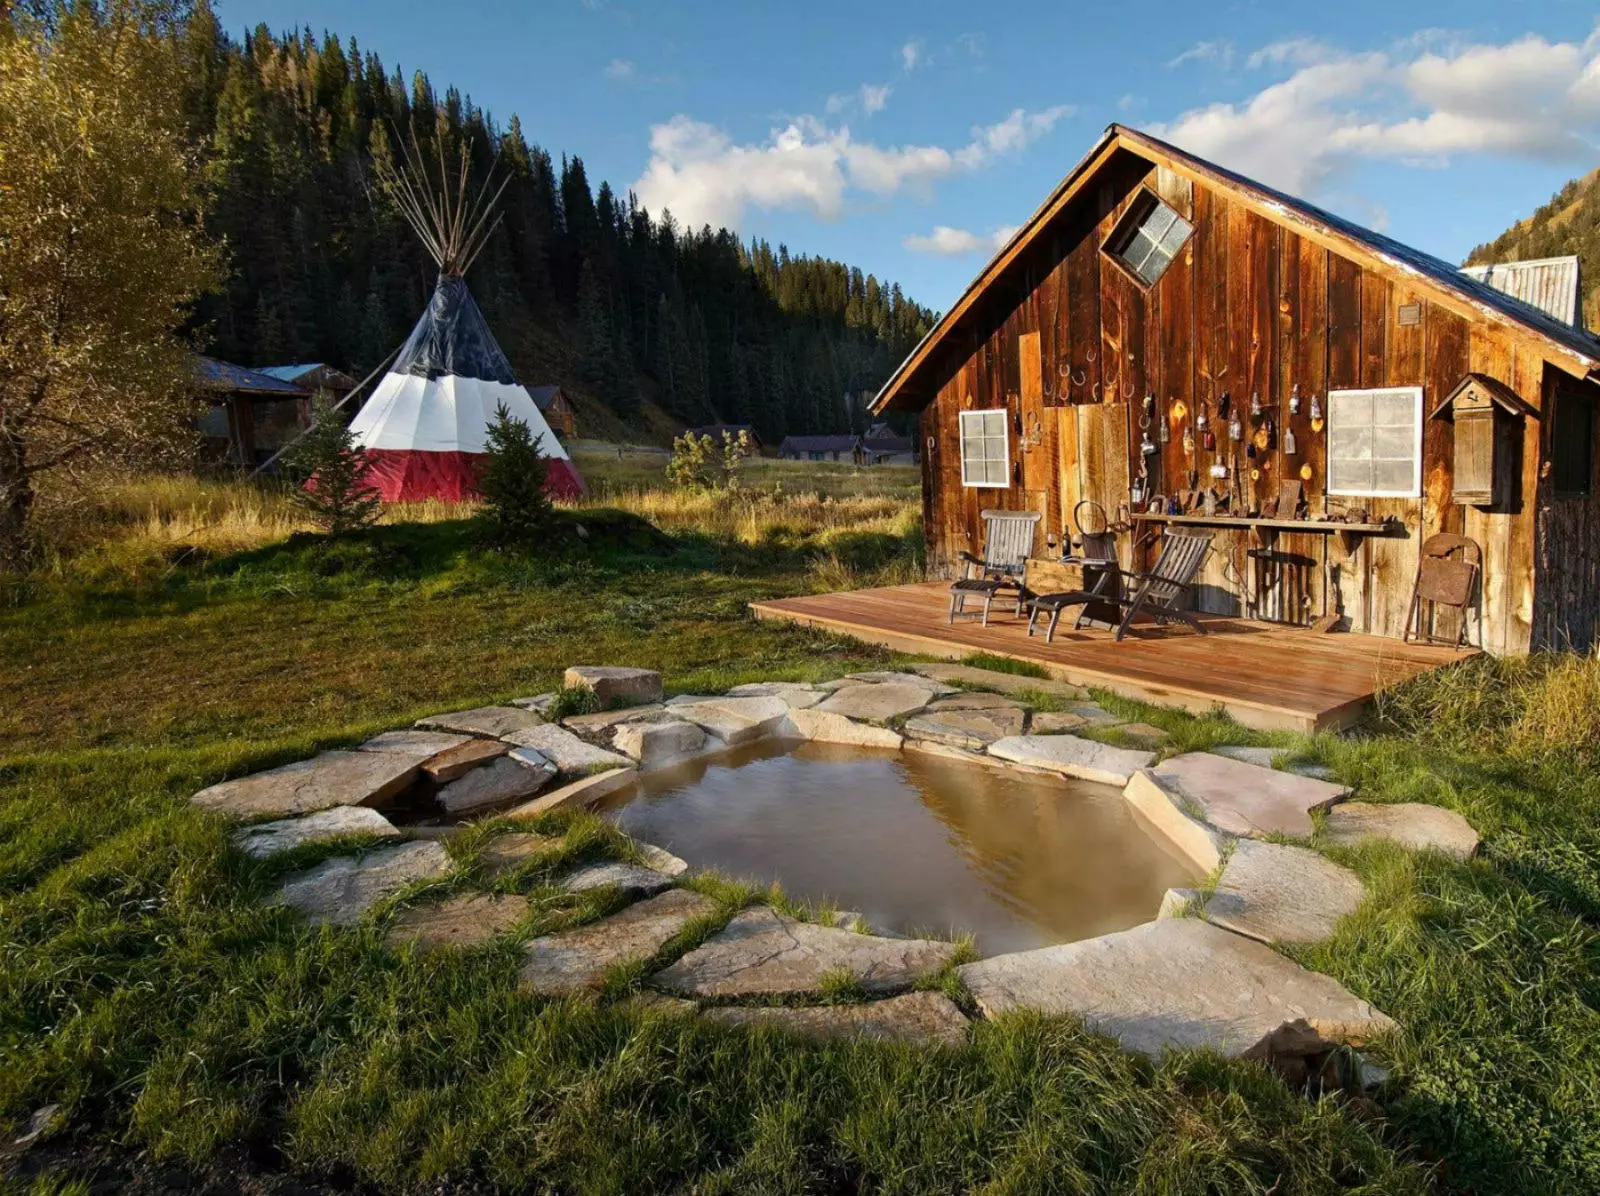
{"x":1074,"y":345}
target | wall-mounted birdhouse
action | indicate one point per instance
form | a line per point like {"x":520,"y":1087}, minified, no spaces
{"x":1488,"y":419}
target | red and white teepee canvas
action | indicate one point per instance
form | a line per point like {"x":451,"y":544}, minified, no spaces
{"x":425,"y":428}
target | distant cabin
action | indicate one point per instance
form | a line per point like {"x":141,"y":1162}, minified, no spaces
{"x":313,"y":377}
{"x":819,"y":448}
{"x":252,"y":413}
{"x":721,"y":432}
{"x":882,"y":445}
{"x":557,"y":410}
{"x":1162,"y":326}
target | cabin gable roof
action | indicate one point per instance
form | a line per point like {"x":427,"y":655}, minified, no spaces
{"x":1573,"y":349}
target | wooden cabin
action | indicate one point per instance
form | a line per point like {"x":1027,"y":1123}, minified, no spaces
{"x":819,"y":448}
{"x":250,"y":414}
{"x":1162,"y":326}
{"x":557,"y":410}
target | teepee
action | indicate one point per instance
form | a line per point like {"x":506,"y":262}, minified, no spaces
{"x":424,"y":430}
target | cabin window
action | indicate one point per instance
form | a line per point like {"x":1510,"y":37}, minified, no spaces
{"x":1149,"y":239}
{"x":1375,"y":442}
{"x":985,"y":448}
{"x":1572,"y":435}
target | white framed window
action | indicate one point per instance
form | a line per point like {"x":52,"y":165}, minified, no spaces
{"x":985,"y":448}
{"x":1375,"y":442}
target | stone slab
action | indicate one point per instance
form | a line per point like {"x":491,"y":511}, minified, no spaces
{"x":656,"y":744}
{"x":765,"y":953}
{"x":486,"y":722}
{"x":578,"y":794}
{"x":1006,"y":683}
{"x":735,"y":720}
{"x":1073,"y":756}
{"x":1056,"y":722}
{"x":512,"y":850}
{"x":923,"y":1019}
{"x":631,"y":879}
{"x":1200,"y":842}
{"x":976,"y":700}
{"x":797,"y":695}
{"x":330,"y":779}
{"x":572,"y":961}
{"x":1413,"y":825}
{"x":539,"y":703}
{"x":821,"y":727}
{"x":269,"y":838}
{"x":604,"y":720}
{"x":615,"y":685}
{"x":1280,"y":894}
{"x":465,"y":920}
{"x":338,"y":892}
{"x":1271,"y":757}
{"x":1180,"y":983}
{"x":574,"y":757}
{"x":972,"y":729}
{"x":1245,"y":799}
{"x":424,"y":745}
{"x":510,"y":778}
{"x":661,"y":859}
{"x":878,"y":702}
{"x":456,"y":762}
{"x":900,"y":677}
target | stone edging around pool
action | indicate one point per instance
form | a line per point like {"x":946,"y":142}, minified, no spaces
{"x":1200,"y":975}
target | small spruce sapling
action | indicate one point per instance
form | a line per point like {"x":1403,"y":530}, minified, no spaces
{"x":516,"y":508}
{"x":335,"y":491}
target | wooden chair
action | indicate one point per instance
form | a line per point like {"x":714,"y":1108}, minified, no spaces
{"x":1007,"y":545}
{"x":1447,"y":575}
{"x":1159,"y":591}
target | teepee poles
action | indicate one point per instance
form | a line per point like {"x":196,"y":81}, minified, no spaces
{"x":452,"y":224}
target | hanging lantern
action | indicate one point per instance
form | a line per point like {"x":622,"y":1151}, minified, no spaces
{"x":1255,"y":404}
{"x":1294,"y":400}
{"x":1137,"y":491}
{"x":1289,"y":446}
{"x":1316,"y":414}
{"x":1147,"y":446}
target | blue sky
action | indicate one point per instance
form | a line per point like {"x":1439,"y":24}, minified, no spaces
{"x":906,"y":137}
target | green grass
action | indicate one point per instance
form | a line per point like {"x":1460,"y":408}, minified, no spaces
{"x":144,"y":986}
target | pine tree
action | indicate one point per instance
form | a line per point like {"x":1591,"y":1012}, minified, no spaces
{"x":511,"y":479}
{"x":335,"y":490}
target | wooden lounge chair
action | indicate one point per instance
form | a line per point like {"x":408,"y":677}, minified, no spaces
{"x":1447,"y":575}
{"x":1007,"y":545}
{"x":1157,"y":592}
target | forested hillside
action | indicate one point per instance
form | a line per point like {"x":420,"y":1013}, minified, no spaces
{"x":581,"y":286}
{"x":1569,"y":223}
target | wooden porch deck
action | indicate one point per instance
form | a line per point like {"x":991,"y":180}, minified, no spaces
{"x":1266,"y":675}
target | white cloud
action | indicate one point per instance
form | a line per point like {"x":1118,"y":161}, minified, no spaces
{"x":1215,"y":50}
{"x":911,"y":55}
{"x":1528,"y":99}
{"x":945,"y":241}
{"x":702,"y":175}
{"x":619,"y":68}
{"x":874,"y":96}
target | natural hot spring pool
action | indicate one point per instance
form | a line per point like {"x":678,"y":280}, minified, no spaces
{"x":912,"y":841}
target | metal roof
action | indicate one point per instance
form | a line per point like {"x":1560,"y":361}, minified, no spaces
{"x":224,"y":375}
{"x":818,"y":444}
{"x":543,"y":396}
{"x":1551,"y":284}
{"x":288,"y":373}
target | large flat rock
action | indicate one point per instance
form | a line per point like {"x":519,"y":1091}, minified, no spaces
{"x":269,"y":838}
{"x":797,"y":695}
{"x":632,"y":879}
{"x":464,"y":920}
{"x":1165,"y":814}
{"x":735,"y":720}
{"x":1073,"y":756}
{"x":925,"y":1018}
{"x":878,"y":702}
{"x":424,"y":745}
{"x":821,"y":727}
{"x":976,"y":700}
{"x":578,"y":794}
{"x":454,"y":763}
{"x":1413,"y":825}
{"x":515,"y":777}
{"x":573,"y":961}
{"x":573,"y":756}
{"x":972,"y":729}
{"x":486,"y":722}
{"x":330,"y":779}
{"x":605,"y":720}
{"x":615,"y":685}
{"x":1280,"y":894}
{"x":1245,"y":799}
{"x":1180,"y":983}
{"x":658,"y":744}
{"x":661,"y":859}
{"x":338,"y":892}
{"x":1006,"y":683}
{"x":765,"y":953}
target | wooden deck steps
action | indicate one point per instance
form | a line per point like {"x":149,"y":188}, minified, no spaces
{"x":1266,"y":675}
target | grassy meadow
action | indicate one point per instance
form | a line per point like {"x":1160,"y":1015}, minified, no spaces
{"x":178,"y":631}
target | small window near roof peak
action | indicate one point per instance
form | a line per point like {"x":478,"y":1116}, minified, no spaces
{"x":1149,"y":239}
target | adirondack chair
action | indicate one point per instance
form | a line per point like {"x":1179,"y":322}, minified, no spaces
{"x":1446,"y":576}
{"x":1157,"y":592}
{"x":1007,"y":544}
